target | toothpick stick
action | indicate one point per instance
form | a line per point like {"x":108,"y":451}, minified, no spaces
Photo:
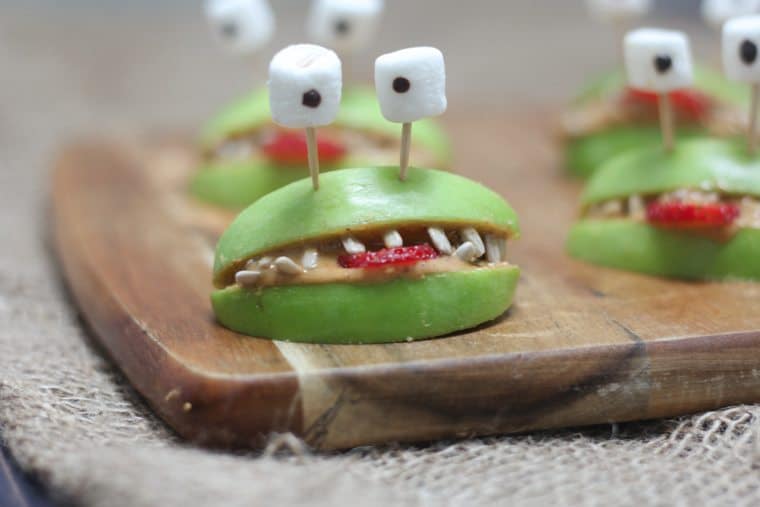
{"x":406,"y":146}
{"x":752,"y":133}
{"x":666,"y":121}
{"x":311,"y":143}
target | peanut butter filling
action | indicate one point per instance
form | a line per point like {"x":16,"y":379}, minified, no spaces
{"x":458,"y":248}
{"x":607,"y":113}
{"x":634,"y":207}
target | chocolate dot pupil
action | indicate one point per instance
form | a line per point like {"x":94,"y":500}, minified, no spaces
{"x":342,"y":27}
{"x":663,"y":63}
{"x":229,"y":30}
{"x":748,"y":52}
{"x":312,"y":99}
{"x":401,"y":85}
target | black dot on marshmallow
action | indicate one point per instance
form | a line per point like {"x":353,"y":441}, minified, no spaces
{"x":312,"y":99}
{"x":663,"y":63}
{"x":401,"y":85}
{"x":342,"y":27}
{"x":748,"y":52}
{"x":229,"y":30}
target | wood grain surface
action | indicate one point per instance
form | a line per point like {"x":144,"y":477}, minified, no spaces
{"x":582,"y":345}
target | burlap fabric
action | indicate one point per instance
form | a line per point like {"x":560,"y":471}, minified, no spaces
{"x":72,"y":420}
{"x":75,"y":423}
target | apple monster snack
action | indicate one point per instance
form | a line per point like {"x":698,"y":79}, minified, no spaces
{"x":692,"y":212}
{"x":245,"y":154}
{"x":610,"y":116}
{"x":365,"y":254}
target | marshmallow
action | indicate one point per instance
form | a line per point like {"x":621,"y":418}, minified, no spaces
{"x":717,"y":12}
{"x":344,"y":25}
{"x":658,"y":60}
{"x":411,"y":84}
{"x":305,"y":85}
{"x":741,"y":42}
{"x":241,"y":25}
{"x":616,"y":11}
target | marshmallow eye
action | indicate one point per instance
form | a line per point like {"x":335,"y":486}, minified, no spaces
{"x":305,"y":83}
{"x":401,"y":85}
{"x":342,"y":28}
{"x":411,"y":84}
{"x":748,"y":52}
{"x":741,"y":46}
{"x":717,"y":12}
{"x":658,"y":60}
{"x":662,"y":64}
{"x":241,"y":25}
{"x":618,"y":10}
{"x":344,"y":25}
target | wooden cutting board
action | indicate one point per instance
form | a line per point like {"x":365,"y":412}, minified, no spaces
{"x":582,"y":345}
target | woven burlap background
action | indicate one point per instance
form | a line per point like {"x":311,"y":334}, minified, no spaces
{"x":70,"y":418}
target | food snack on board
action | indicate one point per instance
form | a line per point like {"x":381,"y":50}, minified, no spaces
{"x":693,"y":213}
{"x":691,"y":210}
{"x":367,"y":258}
{"x":366,"y":254}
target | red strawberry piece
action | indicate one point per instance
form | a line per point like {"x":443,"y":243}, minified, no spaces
{"x":683,"y":215}
{"x":401,"y":256}
{"x":689,"y":104}
{"x":289,"y":148}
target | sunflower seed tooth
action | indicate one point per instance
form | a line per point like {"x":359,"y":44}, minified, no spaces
{"x":247,"y":278}
{"x":471,"y":235}
{"x":251,"y":265}
{"x":310,"y":258}
{"x":287,"y":266}
{"x":440,"y":240}
{"x":613,"y":207}
{"x":353,"y":245}
{"x":393,"y":239}
{"x":635,"y":205}
{"x":493,"y":249}
{"x":240,"y":149}
{"x":265,"y":262}
{"x":466,"y":252}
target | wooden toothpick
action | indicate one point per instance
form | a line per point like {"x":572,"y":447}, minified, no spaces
{"x":406,"y":146}
{"x":752,"y":132}
{"x":311,"y":144}
{"x":666,"y":121}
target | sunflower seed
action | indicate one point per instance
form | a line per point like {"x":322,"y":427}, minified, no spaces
{"x":287,"y":266}
{"x":393,"y":239}
{"x":471,"y":235}
{"x":440,"y":240}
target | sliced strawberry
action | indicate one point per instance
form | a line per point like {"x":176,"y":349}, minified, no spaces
{"x":401,"y":256}
{"x":289,"y":148}
{"x":683,"y":215}
{"x":689,"y":104}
